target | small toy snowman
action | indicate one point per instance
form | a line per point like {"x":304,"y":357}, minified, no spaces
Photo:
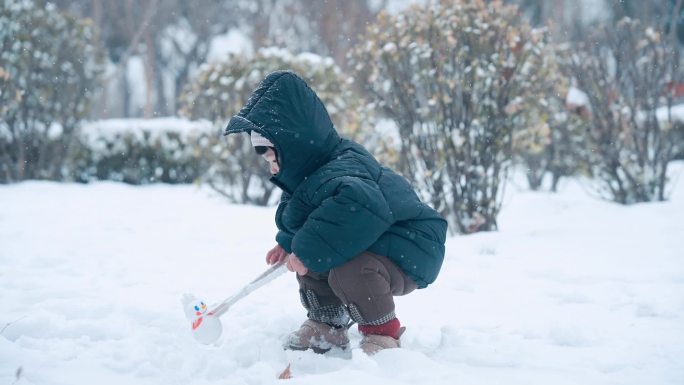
{"x":206,"y":328}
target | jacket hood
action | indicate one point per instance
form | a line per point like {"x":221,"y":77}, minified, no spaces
{"x":288,"y":113}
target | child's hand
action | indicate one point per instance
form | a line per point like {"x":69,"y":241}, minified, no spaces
{"x":276,"y":255}
{"x":294,"y":264}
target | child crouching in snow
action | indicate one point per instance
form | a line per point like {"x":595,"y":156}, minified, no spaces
{"x":354,"y":231}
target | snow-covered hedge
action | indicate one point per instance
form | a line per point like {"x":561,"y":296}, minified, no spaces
{"x":455,"y":77}
{"x":221,"y":89}
{"x":140,"y":151}
{"x":49,"y":65}
{"x":547,"y":137}
{"x":627,"y":72}
{"x":134,"y":151}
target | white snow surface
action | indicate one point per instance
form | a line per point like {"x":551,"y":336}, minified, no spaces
{"x":165,"y":124}
{"x":577,"y":97}
{"x":571,"y":290}
{"x":677,"y":112}
{"x":233,"y":42}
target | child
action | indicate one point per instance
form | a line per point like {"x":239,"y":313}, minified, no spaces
{"x":354,"y":231}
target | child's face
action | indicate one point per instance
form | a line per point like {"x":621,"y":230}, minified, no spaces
{"x":270,"y":157}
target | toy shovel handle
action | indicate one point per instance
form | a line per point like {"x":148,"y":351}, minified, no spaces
{"x":266,"y":277}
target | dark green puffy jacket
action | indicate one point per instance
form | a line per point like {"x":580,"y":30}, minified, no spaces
{"x":337,"y":200}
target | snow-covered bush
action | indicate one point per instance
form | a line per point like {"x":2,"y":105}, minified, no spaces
{"x":138,"y":151}
{"x":49,"y":65}
{"x":454,"y":76}
{"x":628,"y":72}
{"x":547,"y":136}
{"x":221,"y":89}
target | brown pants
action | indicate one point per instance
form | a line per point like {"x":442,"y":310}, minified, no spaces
{"x":365,"y":286}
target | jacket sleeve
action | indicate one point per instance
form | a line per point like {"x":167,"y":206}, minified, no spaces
{"x":346,"y":223}
{"x":283,"y":237}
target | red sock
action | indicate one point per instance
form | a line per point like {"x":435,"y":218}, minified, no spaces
{"x":390,"y":328}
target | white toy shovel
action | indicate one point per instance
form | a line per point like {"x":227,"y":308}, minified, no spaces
{"x":206,"y":326}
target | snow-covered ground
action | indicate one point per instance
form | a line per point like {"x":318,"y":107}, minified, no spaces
{"x":571,"y":290}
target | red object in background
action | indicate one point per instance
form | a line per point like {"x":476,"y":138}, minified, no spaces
{"x":677,"y":89}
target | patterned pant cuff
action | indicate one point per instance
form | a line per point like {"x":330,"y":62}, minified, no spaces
{"x":356,"y":316}
{"x":332,"y":315}
{"x":335,"y":315}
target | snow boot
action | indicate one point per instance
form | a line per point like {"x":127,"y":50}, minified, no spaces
{"x":317,"y":336}
{"x":380,"y":337}
{"x":373,"y":343}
